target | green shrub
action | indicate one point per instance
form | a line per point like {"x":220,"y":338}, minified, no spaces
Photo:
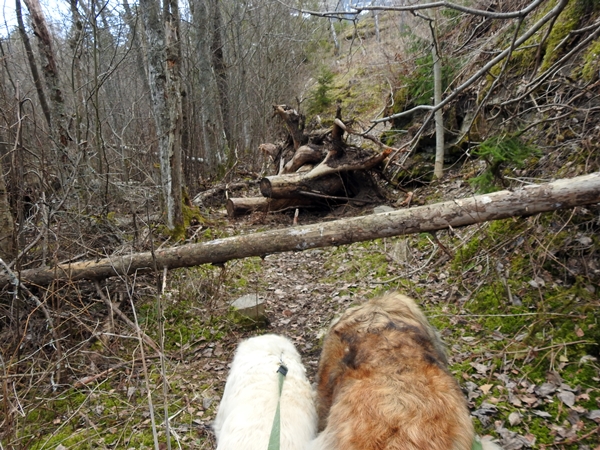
{"x":498,"y":152}
{"x":419,"y":82}
{"x":322,"y":95}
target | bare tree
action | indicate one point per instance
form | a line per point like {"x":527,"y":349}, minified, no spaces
{"x":438,"y":171}
{"x":211,"y":116}
{"x":162,"y":35}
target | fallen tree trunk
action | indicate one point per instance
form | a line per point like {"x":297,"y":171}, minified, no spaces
{"x":292,"y":185}
{"x":240,"y":206}
{"x":206,"y":197}
{"x":526,"y":201}
{"x":324,"y":178}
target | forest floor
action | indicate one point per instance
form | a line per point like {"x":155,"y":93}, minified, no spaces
{"x":528,"y":385}
{"x":515,"y":301}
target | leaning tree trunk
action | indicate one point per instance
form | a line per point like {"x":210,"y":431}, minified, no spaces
{"x":526,"y":201}
{"x":50,"y":70}
{"x":37,"y":81}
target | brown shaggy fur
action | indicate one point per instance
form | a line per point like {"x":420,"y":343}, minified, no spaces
{"x":383,"y":383}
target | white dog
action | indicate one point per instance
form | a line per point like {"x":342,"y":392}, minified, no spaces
{"x":245,"y":416}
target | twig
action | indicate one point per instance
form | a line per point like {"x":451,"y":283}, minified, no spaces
{"x":534,"y":84}
{"x":575,"y":439}
{"x":333,"y":197}
{"x":145,"y":370}
{"x":494,"y":83}
{"x":39,"y":304}
{"x":418,"y":269}
{"x":163,"y":371}
{"x":442,"y":246}
{"x":114,"y":308}
{"x":348,"y":129}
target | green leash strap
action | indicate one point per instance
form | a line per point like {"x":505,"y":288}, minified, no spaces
{"x":274,"y":439}
{"x":477,"y":443}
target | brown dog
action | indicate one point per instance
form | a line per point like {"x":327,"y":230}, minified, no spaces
{"x":383,"y":383}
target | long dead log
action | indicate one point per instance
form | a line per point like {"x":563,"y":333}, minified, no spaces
{"x":526,"y":201}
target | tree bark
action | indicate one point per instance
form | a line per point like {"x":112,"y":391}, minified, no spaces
{"x":292,"y":185}
{"x":173,"y":66}
{"x":219,"y":66}
{"x":305,"y":154}
{"x":6,"y":222}
{"x":438,"y":171}
{"x":526,"y":201}
{"x":219,"y":193}
{"x":294,"y":123}
{"x":213,"y":135}
{"x":37,"y":81}
{"x":50,"y":70}
{"x":163,"y":67}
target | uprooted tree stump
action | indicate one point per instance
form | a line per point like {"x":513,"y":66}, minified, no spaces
{"x":314,"y":168}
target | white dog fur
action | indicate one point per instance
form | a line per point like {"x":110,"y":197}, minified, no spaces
{"x":245,"y":416}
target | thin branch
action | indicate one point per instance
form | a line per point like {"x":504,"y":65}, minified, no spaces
{"x":356,"y":10}
{"x":39,"y":304}
{"x":533,"y":85}
{"x":495,"y":82}
{"x":450,"y":5}
{"x":556,"y":10}
{"x":114,"y":308}
{"x":163,"y":369}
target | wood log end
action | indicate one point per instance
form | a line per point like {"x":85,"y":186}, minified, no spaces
{"x":265,"y":187}
{"x":230,"y":209}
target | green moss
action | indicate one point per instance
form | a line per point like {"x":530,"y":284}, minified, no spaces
{"x":191,"y":214}
{"x":358,"y":261}
{"x":357,"y":93}
{"x":539,"y":428}
{"x":566,"y":22}
{"x":591,"y":65}
{"x":463,"y":258}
